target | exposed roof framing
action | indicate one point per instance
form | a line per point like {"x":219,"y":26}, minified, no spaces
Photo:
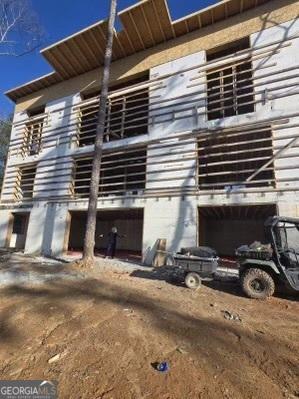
{"x":34,"y":85}
{"x":145,"y":24}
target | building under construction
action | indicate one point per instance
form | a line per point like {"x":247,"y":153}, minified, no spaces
{"x":201,"y":139}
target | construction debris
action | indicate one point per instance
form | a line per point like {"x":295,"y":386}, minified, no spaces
{"x":230,"y":316}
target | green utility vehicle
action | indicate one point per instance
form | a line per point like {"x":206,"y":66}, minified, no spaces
{"x":263,"y":269}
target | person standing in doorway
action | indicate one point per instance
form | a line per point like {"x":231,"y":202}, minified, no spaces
{"x":112,"y":242}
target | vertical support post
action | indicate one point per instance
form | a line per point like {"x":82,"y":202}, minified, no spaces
{"x":123,"y":117}
{"x":108,"y":119}
{"x":235,"y":90}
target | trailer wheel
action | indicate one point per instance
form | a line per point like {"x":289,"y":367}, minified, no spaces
{"x":193,"y":281}
{"x":257,"y":284}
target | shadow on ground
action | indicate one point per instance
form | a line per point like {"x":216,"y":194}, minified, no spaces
{"x":215,"y":341}
{"x":221,"y":283}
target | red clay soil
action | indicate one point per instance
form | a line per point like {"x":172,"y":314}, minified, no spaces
{"x":104,"y":335}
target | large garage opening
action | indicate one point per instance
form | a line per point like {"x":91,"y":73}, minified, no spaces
{"x":226,"y":228}
{"x":129,"y":224}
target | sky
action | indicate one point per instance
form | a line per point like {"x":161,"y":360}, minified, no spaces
{"x":61,"y":18}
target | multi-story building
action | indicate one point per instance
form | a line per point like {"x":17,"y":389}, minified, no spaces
{"x":201,"y":140}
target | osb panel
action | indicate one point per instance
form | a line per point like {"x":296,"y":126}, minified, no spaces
{"x":223,"y":32}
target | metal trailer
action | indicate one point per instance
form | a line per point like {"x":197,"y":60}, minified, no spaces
{"x":194,"y":269}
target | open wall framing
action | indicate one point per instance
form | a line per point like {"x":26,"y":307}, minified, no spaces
{"x":125,"y":104}
{"x":122,"y":172}
{"x":25,"y":182}
{"x":230,"y":87}
{"x":230,"y":159}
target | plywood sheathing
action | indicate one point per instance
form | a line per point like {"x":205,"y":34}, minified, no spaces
{"x":137,"y":22}
{"x":223,"y":32}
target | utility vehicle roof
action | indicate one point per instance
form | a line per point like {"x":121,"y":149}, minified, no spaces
{"x":274,"y":220}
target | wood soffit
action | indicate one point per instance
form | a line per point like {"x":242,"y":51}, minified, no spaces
{"x":144,"y":25}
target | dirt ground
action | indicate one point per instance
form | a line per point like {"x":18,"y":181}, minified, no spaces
{"x":100,"y":337}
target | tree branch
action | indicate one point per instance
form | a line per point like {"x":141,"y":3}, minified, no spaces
{"x":20,"y":30}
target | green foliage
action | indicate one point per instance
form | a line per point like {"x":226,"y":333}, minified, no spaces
{"x":5,"y":128}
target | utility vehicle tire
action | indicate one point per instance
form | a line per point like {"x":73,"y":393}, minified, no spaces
{"x":193,"y":281}
{"x":257,"y":284}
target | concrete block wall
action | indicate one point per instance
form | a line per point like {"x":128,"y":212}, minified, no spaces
{"x":173,"y":88}
{"x":289,"y":208}
{"x":284,"y":57}
{"x":47,"y":229}
{"x":175,"y":169}
{"x":59,"y":229}
{"x":287,"y":164}
{"x":36,"y":225}
{"x":174,"y":219}
{"x":58,"y":182}
{"x":4,"y":224}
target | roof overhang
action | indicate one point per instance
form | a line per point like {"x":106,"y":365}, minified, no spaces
{"x":145,"y":24}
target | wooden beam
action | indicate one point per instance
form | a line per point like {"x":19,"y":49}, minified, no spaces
{"x":136,"y":30}
{"x":147,"y":24}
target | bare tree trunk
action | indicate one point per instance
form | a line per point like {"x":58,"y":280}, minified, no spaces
{"x":89,"y":240}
